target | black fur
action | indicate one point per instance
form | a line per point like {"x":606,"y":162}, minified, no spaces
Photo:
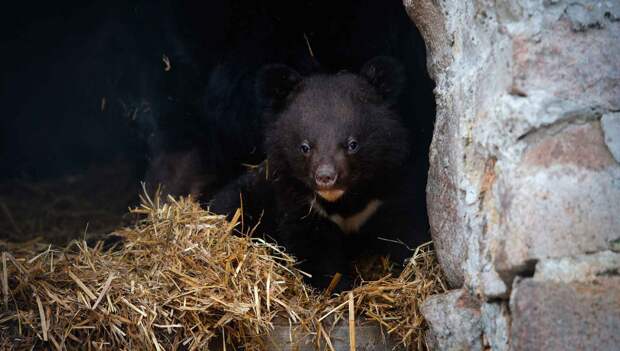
{"x":325,"y":113}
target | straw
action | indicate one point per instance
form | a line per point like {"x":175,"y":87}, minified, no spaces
{"x":187,"y":278}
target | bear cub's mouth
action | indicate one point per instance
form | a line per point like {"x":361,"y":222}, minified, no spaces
{"x":330,"y":195}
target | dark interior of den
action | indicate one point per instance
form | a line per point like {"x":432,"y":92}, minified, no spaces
{"x":196,"y":95}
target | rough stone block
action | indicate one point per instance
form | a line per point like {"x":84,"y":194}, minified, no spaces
{"x":574,"y":65}
{"x":565,"y":316}
{"x":563,"y":199}
{"x":496,"y":326}
{"x":454,"y":321}
{"x":584,"y":14}
{"x":585,"y":268}
{"x":610,"y":123}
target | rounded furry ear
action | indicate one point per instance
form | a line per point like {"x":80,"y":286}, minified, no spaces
{"x":387,"y":75}
{"x":274,"y":83}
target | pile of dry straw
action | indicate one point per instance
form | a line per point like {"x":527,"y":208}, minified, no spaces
{"x":184,"y":280}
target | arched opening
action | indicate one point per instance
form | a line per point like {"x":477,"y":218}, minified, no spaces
{"x":165,"y":92}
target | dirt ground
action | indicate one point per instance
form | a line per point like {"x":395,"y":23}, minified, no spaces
{"x":87,"y":204}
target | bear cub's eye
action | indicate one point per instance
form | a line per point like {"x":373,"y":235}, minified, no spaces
{"x":352,"y":145}
{"x":304,"y":148}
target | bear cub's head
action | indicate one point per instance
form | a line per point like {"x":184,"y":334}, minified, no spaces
{"x":335,"y":134}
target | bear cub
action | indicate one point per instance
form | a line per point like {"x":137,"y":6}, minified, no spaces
{"x":335,"y":186}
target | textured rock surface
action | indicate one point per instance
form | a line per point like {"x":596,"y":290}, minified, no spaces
{"x":496,"y":325}
{"x":454,"y":321}
{"x":560,"y":199}
{"x":526,"y":94}
{"x":585,"y":268}
{"x":566,"y":316}
{"x":524,"y":174}
{"x":611,"y":129}
{"x":430,"y":20}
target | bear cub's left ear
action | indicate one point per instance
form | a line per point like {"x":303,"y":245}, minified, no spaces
{"x":387,"y":75}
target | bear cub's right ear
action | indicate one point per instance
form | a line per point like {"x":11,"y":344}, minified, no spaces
{"x":274,"y":83}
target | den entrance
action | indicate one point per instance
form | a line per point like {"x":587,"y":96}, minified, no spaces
{"x":105,"y":95}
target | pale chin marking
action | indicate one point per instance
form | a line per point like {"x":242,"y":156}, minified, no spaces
{"x":331,"y":195}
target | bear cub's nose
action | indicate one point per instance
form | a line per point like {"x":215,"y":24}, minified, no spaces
{"x":325,"y":176}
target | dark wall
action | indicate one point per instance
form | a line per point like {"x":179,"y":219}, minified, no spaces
{"x":61,"y":60}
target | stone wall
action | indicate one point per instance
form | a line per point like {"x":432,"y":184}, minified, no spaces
{"x":524,"y":179}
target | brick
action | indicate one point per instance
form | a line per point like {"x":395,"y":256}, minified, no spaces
{"x":454,"y":321}
{"x":566,"y":316}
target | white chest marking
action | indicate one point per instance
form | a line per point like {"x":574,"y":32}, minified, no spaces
{"x":354,"y":222}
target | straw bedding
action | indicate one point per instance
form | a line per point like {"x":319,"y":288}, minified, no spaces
{"x":186,"y":279}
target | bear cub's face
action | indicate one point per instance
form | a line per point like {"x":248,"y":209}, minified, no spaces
{"x":334,"y":133}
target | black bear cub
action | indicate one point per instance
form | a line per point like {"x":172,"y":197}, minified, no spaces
{"x":335,"y":186}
